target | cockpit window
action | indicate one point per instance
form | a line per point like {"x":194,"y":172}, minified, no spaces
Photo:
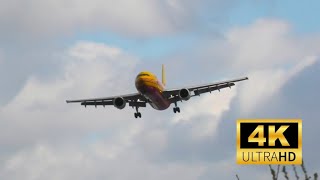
{"x":144,"y":74}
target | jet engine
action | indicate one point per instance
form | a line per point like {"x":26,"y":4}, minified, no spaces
{"x":119,"y":102}
{"x":184,"y":94}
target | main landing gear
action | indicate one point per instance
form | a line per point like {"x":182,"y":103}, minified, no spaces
{"x":137,"y":114}
{"x":176,"y":108}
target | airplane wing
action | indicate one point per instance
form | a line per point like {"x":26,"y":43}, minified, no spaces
{"x":174,"y":94}
{"x":134,"y":100}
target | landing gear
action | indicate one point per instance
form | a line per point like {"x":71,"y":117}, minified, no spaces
{"x":137,"y":114}
{"x":176,"y":108}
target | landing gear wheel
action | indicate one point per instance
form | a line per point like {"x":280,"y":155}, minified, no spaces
{"x":176,"y":109}
{"x":137,"y":114}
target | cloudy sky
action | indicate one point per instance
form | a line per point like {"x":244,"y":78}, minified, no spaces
{"x":55,"y":50}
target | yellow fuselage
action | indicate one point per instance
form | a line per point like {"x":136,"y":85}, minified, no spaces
{"x":151,"y":88}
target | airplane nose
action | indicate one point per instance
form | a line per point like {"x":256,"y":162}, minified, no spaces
{"x":140,"y":81}
{"x":141,"y":84}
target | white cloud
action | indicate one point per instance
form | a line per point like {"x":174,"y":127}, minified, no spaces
{"x":268,"y":51}
{"x":264,"y":84}
{"x":91,"y":51}
{"x":154,"y":141}
{"x":76,"y":162}
{"x":90,"y":66}
{"x":41,"y":103}
{"x":1,"y":56}
{"x":263,"y":44}
{"x":271,"y":54}
{"x":213,"y":105}
{"x":141,"y":18}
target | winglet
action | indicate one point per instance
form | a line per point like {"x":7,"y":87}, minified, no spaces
{"x":163,"y":76}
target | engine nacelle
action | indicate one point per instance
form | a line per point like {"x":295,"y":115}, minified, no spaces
{"x":119,"y":102}
{"x":184,"y":94}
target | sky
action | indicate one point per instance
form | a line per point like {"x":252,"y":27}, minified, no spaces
{"x":55,"y":50}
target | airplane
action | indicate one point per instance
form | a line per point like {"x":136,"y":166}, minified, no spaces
{"x":152,"y":91}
